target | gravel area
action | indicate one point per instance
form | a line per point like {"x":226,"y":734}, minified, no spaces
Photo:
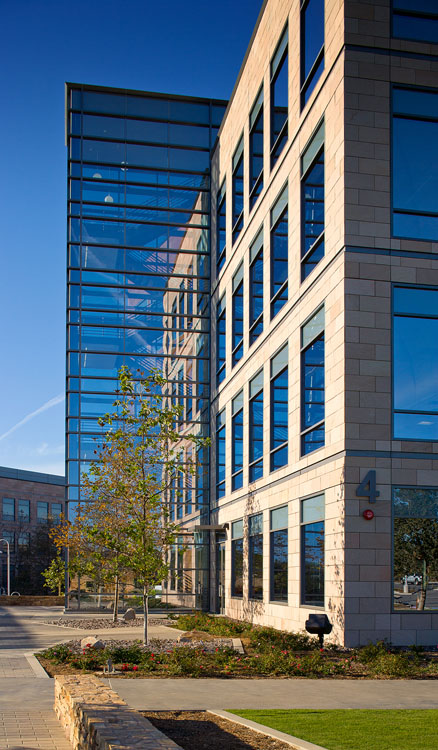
{"x":158,"y":645}
{"x":200,"y":730}
{"x":100,"y":623}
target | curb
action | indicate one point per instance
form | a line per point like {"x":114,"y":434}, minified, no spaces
{"x":36,"y":667}
{"x":294,"y":742}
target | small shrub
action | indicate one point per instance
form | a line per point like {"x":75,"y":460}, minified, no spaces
{"x":266,"y":639}
{"x":392,"y":665}
{"x":58,"y":654}
{"x":126,"y":654}
{"x":371,"y":652}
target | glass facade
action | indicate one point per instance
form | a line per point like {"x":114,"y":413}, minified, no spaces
{"x":237,"y":442}
{"x":279,"y":253}
{"x":312,"y":46}
{"x":256,"y":150}
{"x":237,"y":186}
{"x":255,"y":443}
{"x":237,"y":558}
{"x":256,"y":288}
{"x":312,"y":203}
{"x":279,"y":553}
{"x":237,"y":320}
{"x":312,"y":551}
{"x":415,"y":19}
{"x":255,"y":556}
{"x":312,"y":383}
{"x":279,"y":409}
{"x":415,"y":362}
{"x":221,"y":341}
{"x":279,"y":98}
{"x":139,"y":265}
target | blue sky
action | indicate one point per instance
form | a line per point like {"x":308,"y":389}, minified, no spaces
{"x":193,"y":47}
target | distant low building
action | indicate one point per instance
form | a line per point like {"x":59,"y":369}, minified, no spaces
{"x":30,"y":500}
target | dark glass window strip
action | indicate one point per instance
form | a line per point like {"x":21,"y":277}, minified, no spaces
{"x":221,"y":238}
{"x":256,"y":151}
{"x":279,"y":411}
{"x":237,"y":443}
{"x":220,"y":455}
{"x":237,"y":310}
{"x":312,"y":186}
{"x":312,"y":551}
{"x":415,"y":19}
{"x":313,"y":385}
{"x":221,"y":341}
{"x":414,"y":156}
{"x":279,"y":554}
{"x":279,"y":263}
{"x":279,"y":99}
{"x":255,"y":554}
{"x":312,"y":46}
{"x":237,"y":196}
{"x":256,"y":297}
{"x":255,"y":443}
{"x":237,"y":558}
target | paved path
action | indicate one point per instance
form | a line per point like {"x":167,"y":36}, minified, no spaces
{"x":32,"y":730}
{"x":156,"y":695}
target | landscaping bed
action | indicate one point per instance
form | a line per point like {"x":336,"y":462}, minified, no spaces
{"x":203,"y":731}
{"x":100,"y":623}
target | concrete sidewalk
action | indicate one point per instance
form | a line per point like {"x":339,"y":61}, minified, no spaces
{"x":166,"y":694}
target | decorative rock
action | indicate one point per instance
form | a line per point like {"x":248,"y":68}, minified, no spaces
{"x":129,"y":614}
{"x":92,"y":641}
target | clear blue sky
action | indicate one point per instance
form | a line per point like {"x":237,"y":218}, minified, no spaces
{"x":194,"y":47}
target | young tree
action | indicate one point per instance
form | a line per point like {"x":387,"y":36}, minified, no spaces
{"x":54,"y":575}
{"x":125,"y":516}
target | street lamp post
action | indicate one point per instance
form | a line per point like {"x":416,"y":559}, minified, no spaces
{"x":8,"y":567}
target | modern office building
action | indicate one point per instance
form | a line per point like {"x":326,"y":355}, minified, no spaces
{"x":29,"y":499}
{"x":305,"y":238}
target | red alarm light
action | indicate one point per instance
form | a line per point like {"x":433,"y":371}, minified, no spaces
{"x":368,"y":514}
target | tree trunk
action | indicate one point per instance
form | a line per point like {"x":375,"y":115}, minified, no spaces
{"x":116,"y":599}
{"x":145,"y":613}
{"x":79,"y":591}
{"x":422,"y":598}
{"x":59,"y":588}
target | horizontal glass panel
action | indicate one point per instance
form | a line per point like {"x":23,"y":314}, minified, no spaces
{"x":255,"y":524}
{"x":422,"y":29}
{"x":313,"y":327}
{"x":416,"y":426}
{"x":415,"y":184}
{"x":237,"y":403}
{"x":103,"y":151}
{"x":312,"y":149}
{"x":415,"y":226}
{"x":415,"y":102}
{"x":416,"y":364}
{"x":256,"y":384}
{"x":279,"y":206}
{"x":279,"y":361}
{"x":415,"y":300}
{"x":103,"y":127}
{"x":313,"y":509}
{"x":102,"y":339}
{"x":279,"y":518}
{"x":418,"y":502}
{"x":237,"y":529}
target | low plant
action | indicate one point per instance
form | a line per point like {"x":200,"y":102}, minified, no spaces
{"x":58,"y":654}
{"x":130,"y":654}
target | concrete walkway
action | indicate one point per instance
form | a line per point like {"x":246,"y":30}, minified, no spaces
{"x":158,"y":695}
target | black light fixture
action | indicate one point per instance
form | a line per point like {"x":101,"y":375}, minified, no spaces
{"x":319,"y":625}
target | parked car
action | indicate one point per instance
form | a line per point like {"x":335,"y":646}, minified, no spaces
{"x":414,"y":579}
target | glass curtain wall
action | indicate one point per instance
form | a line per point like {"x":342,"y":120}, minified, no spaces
{"x":139,"y":272}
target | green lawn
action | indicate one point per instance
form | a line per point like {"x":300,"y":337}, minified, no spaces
{"x":353,"y":729}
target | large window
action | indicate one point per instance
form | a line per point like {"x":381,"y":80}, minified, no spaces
{"x":278,"y":553}
{"x":24,"y":510}
{"x":220,"y":454}
{"x":237,"y":322}
{"x":279,"y":409}
{"x":312,"y":46}
{"x":42,"y":511}
{"x":256,"y":288}
{"x":8,"y":509}
{"x":221,"y":341}
{"x":415,"y":552}
{"x":312,"y":551}
{"x":238,"y":190}
{"x":415,"y":363}
{"x":221,"y":235}
{"x":256,"y":427}
{"x":414,"y":160}
{"x":279,"y":253}
{"x":237,"y":442}
{"x":237,"y":558}
{"x":312,"y":380}
{"x":279,"y":99}
{"x":256,"y":150}
{"x":255,"y":556}
{"x":56,"y":512}
{"x":312,"y":203}
{"x":415,"y":19}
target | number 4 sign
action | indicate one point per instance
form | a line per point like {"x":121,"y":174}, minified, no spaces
{"x":367,"y":487}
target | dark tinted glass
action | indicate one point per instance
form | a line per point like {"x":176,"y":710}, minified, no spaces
{"x":313,"y":562}
{"x":256,"y":566}
{"x":279,"y":565}
{"x":279,"y":264}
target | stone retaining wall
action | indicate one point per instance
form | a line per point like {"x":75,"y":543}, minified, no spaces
{"x":95,"y":718}
{"x":31,"y":601}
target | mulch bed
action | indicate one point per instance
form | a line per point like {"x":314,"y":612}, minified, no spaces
{"x":100,"y":623}
{"x":198,"y":730}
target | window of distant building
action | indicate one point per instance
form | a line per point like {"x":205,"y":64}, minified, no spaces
{"x":221,"y":235}
{"x":237,"y":558}
{"x":8,"y":536}
{"x":255,"y":556}
{"x":312,"y":551}
{"x":24,"y":510}
{"x":238,"y":190}
{"x":279,"y":253}
{"x":312,"y":46}
{"x":237,"y":442}
{"x":8,"y":509}
{"x":256,"y":427}
{"x":256,"y":150}
{"x":279,"y":98}
{"x":279,"y":553}
{"x":23,"y":539}
{"x":414,"y":160}
{"x":415,"y":19}
{"x":220,"y":454}
{"x":56,"y":512}
{"x":256,"y":288}
{"x":415,"y":363}
{"x":237,"y":321}
{"x":313,"y":385}
{"x":279,"y":409}
{"x":42,"y":511}
{"x":312,"y":203}
{"x":221,"y":340}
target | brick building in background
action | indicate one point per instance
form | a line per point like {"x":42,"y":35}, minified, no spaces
{"x":307,"y":238}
